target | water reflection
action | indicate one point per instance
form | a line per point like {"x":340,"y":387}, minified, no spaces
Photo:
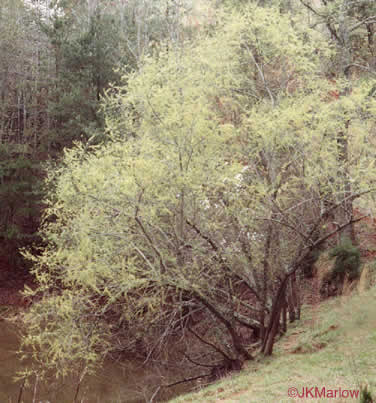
{"x":114,"y":382}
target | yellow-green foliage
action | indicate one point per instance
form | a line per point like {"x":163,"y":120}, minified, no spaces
{"x":118,"y":225}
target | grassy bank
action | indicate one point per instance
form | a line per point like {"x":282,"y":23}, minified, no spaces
{"x":334,"y":346}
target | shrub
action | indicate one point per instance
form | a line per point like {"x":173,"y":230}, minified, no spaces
{"x":347,"y":261}
{"x":347,"y":264}
{"x":365,"y":395}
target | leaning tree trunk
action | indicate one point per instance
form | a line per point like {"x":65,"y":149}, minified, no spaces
{"x":278,"y":304}
{"x":292,"y":298}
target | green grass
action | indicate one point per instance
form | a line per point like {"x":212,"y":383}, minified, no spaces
{"x":333,"y":346}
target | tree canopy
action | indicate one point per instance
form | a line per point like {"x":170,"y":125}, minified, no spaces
{"x":221,"y":165}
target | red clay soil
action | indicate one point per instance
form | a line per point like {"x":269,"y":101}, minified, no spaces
{"x":366,"y":237}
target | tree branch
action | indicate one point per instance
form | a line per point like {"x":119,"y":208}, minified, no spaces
{"x":285,"y":225}
{"x":368,"y":20}
{"x":198,"y":363}
{"x":261,"y":74}
{"x":147,"y":236}
{"x":186,"y":380}
{"x":210,"y":344}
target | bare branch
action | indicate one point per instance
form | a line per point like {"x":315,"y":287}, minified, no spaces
{"x":187,"y":380}
{"x":307,"y":239}
{"x":147,"y":236}
{"x":203,"y":236}
{"x":209,"y":344}
{"x":368,"y":20}
{"x":261,"y":75}
{"x":198,"y":363}
{"x":312,"y":9}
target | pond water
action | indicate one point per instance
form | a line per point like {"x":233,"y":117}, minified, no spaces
{"x":114,"y":383}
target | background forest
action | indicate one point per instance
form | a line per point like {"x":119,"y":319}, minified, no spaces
{"x":171,"y":169}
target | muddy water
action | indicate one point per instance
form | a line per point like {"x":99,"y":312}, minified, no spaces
{"x":114,"y":382}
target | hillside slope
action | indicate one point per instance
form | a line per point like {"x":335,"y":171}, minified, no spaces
{"x":333,"y":347}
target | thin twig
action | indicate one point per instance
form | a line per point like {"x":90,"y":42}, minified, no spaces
{"x":155,"y":394}
{"x":186,"y":380}
{"x":21,"y":391}
{"x":147,"y":236}
{"x":198,"y":363}
{"x":261,"y":75}
{"x":210,"y":344}
{"x":35,"y":388}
